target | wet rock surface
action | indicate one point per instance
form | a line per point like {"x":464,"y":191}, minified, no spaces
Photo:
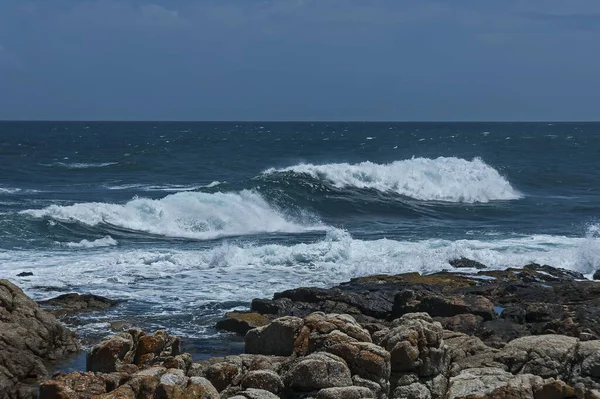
{"x":494,"y":305}
{"x":69,"y":304}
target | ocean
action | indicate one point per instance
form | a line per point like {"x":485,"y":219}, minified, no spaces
{"x":185,"y":221}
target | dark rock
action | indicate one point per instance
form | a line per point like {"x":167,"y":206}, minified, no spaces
{"x":535,"y":299}
{"x":464,"y":323}
{"x":25,"y":274}
{"x":242,"y":322}
{"x":596,"y":275}
{"x":409,"y":301}
{"x":467,"y":263}
{"x":29,"y":338}
{"x":67,"y":304}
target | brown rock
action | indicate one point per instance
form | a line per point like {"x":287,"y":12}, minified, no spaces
{"x":29,"y":337}
{"x":242,"y":322}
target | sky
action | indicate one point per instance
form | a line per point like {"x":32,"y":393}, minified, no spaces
{"x":343,"y":60}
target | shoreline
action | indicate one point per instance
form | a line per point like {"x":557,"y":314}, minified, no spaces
{"x":495,"y":309}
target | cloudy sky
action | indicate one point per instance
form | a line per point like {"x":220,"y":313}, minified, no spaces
{"x":300,"y":59}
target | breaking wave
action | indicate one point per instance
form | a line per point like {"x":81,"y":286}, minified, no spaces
{"x":192,"y":215}
{"x":446,"y":179}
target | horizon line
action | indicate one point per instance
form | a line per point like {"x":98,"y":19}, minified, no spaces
{"x":280,"y":121}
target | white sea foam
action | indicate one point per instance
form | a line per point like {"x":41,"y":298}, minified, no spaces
{"x":192,"y":215}
{"x":235,"y":272}
{"x":15,"y":190}
{"x":166,"y":188}
{"x":9,"y":190}
{"x":81,"y":165}
{"x":106,"y":241}
{"x":442,"y":179}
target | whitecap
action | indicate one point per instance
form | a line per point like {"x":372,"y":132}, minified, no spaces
{"x":80,"y":165}
{"x":193,"y":215}
{"x":442,"y":179}
{"x":106,"y":241}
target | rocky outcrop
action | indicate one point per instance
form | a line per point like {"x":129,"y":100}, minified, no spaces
{"x":29,"y":338}
{"x":497,"y":306}
{"x":528,"y":333}
{"x":331,"y":356}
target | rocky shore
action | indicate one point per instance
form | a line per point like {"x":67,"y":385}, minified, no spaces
{"x":528,"y":333}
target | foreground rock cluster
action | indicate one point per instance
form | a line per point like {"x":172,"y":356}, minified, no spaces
{"x":495,"y":305}
{"x":332,"y":356}
{"x":530,"y":333}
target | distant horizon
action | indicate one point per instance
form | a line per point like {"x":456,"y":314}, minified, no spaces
{"x":288,"y":121}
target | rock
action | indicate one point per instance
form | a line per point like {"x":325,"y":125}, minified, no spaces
{"x":242,"y":322}
{"x":135,"y":348}
{"x":108,"y":356}
{"x":202,"y":388}
{"x":413,"y":391}
{"x":318,"y":371}
{"x":468,"y":352}
{"x":585,"y":367}
{"x":276,"y":338}
{"x":467,"y":263}
{"x":464,"y":323}
{"x":79,"y":302}
{"x":345,"y":393}
{"x":321,"y":331}
{"x":221,"y":375}
{"x":153,"y":382}
{"x":263,"y":379}
{"x":409,"y":301}
{"x":596,"y":275}
{"x":365,"y":360}
{"x":496,"y":333}
{"x":254,"y":394}
{"x":80,"y":385}
{"x":29,"y":338}
{"x":549,"y":273}
{"x":482,"y":383}
{"x":543,"y":355}
{"x":25,"y":274}
{"x":415,"y":343}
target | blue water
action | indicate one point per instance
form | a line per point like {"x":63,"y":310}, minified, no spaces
{"x":184,"y":221}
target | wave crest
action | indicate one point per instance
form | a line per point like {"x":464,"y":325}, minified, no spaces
{"x":446,"y":179}
{"x":107,"y":241}
{"x":192,"y":215}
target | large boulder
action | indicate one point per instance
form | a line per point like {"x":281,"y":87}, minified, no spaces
{"x":366,"y":361}
{"x":494,"y":383}
{"x":276,"y":338}
{"x":542,"y":355}
{"x":135,"y":348}
{"x":318,"y":371}
{"x":263,"y":379}
{"x":416,"y":345}
{"x":321,"y":331}
{"x":345,"y":393}
{"x":586,"y":365}
{"x":29,"y":338}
